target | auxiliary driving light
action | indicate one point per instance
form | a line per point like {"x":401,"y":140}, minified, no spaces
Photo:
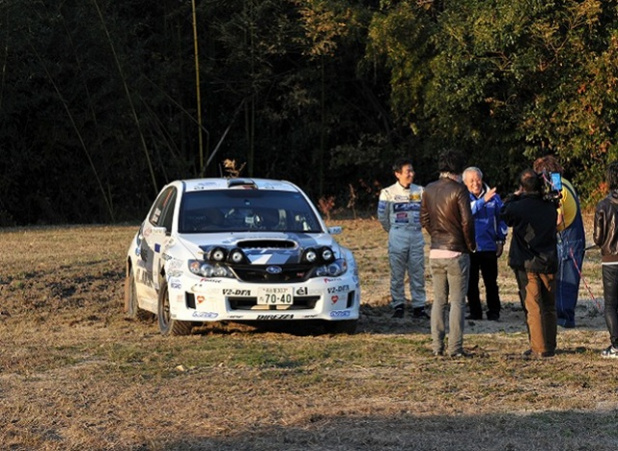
{"x":236,"y":256}
{"x":310,"y":255}
{"x":218,"y":254}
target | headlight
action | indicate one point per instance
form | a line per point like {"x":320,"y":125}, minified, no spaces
{"x":334,"y":269}
{"x":205,"y":269}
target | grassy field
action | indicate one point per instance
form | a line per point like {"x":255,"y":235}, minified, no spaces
{"x":75,"y":374}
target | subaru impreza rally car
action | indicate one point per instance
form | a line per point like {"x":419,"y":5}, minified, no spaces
{"x":239,"y":250}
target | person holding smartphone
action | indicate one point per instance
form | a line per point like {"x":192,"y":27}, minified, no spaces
{"x":571,"y":239}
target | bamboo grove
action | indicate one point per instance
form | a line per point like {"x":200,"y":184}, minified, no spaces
{"x":102,"y":102}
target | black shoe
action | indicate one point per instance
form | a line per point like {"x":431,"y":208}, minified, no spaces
{"x":419,"y":312}
{"x":493,"y":316}
{"x":530,"y":354}
{"x":398,"y":313}
{"x":474,"y":317}
{"x":460,"y":354}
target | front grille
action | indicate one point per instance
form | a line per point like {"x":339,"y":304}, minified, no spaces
{"x":258,"y":273}
{"x":250,"y":303}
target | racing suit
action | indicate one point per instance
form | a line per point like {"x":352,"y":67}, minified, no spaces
{"x":399,"y":214}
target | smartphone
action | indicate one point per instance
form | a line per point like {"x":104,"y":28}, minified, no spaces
{"x":556,"y":181}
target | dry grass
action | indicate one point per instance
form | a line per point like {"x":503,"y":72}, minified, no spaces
{"x":76,"y":375}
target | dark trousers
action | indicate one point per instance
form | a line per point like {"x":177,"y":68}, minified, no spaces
{"x":487,"y":263}
{"x":610,"y":296}
{"x":537,"y":293}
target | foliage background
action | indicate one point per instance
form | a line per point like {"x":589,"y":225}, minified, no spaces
{"x":98,"y":99}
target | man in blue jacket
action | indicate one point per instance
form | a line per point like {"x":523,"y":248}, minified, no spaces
{"x":490,"y":233}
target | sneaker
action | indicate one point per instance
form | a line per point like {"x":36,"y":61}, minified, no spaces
{"x":419,"y":312}
{"x":438,"y":353}
{"x":493,"y":316}
{"x":398,"y":312}
{"x":610,"y":353}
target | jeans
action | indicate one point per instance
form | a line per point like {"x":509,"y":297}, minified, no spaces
{"x":536,"y":291}
{"x":610,"y":297}
{"x":406,"y":248}
{"x":450,"y":278}
{"x":570,"y":260}
{"x":487,"y":263}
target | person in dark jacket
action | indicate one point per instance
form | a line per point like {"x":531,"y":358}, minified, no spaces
{"x":606,"y":237}
{"x":446,"y":215}
{"x":490,"y":237}
{"x":534,"y":259}
{"x":571,"y":242}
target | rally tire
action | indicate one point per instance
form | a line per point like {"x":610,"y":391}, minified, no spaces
{"x":131,"y":306}
{"x":341,"y":327}
{"x":167,"y":325}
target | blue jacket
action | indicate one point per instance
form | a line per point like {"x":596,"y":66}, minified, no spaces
{"x":487,"y":223}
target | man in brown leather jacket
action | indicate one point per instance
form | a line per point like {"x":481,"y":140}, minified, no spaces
{"x":446,"y":215}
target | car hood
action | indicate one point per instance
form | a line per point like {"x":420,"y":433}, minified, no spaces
{"x":261,"y":248}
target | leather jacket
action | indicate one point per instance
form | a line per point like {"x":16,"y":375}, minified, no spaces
{"x":606,"y":227}
{"x":446,"y":215}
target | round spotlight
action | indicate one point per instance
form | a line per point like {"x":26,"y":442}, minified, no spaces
{"x":217,"y":254}
{"x":327,"y":254}
{"x":311,"y":256}
{"x":236,"y":256}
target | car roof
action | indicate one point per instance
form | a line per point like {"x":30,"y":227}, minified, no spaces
{"x":206,"y":184}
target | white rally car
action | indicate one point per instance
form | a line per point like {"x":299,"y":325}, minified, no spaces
{"x":239,"y":250}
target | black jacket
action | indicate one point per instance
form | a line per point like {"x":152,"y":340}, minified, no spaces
{"x":533,"y":246}
{"x":446,"y":215}
{"x":606,"y":227}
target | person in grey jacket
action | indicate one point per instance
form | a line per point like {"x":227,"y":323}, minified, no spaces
{"x":606,"y":237}
{"x":446,"y":215}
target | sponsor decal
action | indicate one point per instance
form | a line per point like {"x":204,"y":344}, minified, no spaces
{"x":210,"y":280}
{"x":339,"y":289}
{"x":200,"y":299}
{"x":332,"y":280}
{"x":205,"y":315}
{"x":340,"y":314}
{"x":166,"y":257}
{"x":334,"y":299}
{"x":157,"y":248}
{"x":302,"y":291}
{"x":145,"y":277}
{"x":175,"y":284}
{"x":275,"y":317}
{"x":236,"y":316}
{"x":147,"y":232}
{"x":175,"y":263}
{"x":236,"y":292}
{"x":174,"y":273}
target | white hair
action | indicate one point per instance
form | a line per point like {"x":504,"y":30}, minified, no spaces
{"x":472,"y":169}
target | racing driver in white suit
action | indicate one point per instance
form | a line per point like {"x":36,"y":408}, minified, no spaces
{"x":399,"y":213}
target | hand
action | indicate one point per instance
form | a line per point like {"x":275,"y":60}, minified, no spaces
{"x":489,"y":194}
{"x":499,"y":249}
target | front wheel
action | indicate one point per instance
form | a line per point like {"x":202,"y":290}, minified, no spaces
{"x":167,"y":325}
{"x":341,"y":327}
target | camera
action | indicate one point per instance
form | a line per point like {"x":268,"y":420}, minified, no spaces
{"x":551,"y":186}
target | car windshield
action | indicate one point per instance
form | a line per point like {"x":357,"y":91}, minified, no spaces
{"x":239,"y":210}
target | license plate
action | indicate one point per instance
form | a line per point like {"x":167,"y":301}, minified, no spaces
{"x":275,"y":296}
